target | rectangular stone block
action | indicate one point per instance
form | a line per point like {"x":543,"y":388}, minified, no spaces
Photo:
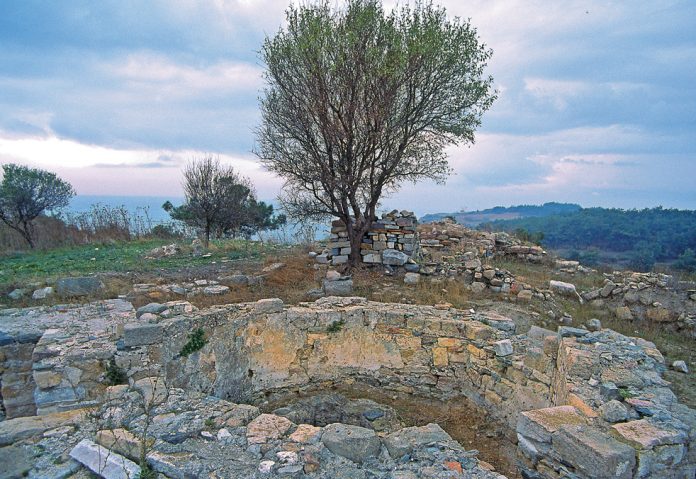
{"x":105,"y":463}
{"x":140,"y":334}
{"x":540,"y":424}
{"x":644,"y":434}
{"x":593,"y":453}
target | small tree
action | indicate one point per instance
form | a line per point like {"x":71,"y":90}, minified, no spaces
{"x":220,"y":202}
{"x":359,"y":100}
{"x":26,"y":193}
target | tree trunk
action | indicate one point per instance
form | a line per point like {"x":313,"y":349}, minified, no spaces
{"x":207,"y":235}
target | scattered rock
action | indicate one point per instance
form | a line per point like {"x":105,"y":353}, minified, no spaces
{"x":680,"y":366}
{"x":623,"y":313}
{"x":564,"y":289}
{"x":42,"y":293}
{"x":411,"y":278}
{"x":152,"y":308}
{"x":267,"y":427}
{"x":16,"y":294}
{"x":269,"y":305}
{"x":216,"y":290}
{"x":594,"y":325}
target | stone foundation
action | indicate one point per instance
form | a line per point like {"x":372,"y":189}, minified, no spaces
{"x":583,"y":404}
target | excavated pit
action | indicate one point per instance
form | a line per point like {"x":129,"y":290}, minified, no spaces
{"x":366,"y":406}
{"x":575,"y":403}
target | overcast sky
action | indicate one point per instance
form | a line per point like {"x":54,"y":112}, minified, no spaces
{"x":597,"y":99}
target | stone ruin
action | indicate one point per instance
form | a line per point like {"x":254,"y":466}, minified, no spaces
{"x":392,"y":240}
{"x":579,"y":404}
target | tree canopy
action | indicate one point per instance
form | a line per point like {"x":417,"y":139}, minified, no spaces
{"x":26,"y":193}
{"x":359,"y":100}
{"x":220,"y":202}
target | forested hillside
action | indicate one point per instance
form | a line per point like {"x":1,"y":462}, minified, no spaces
{"x":474,"y":218}
{"x":637,"y":237}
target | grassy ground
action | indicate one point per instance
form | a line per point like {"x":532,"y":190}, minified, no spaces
{"x":39,"y":266}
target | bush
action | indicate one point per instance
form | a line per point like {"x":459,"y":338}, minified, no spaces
{"x":196,"y":341}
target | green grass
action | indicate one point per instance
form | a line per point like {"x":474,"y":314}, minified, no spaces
{"x":21,"y":268}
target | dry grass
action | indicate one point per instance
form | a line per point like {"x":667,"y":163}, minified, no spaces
{"x":373,"y":285}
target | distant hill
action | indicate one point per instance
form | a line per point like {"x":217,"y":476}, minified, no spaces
{"x":475,"y":218}
{"x":636,"y":238}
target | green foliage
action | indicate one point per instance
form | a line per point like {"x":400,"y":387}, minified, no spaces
{"x":210,"y":423}
{"x":196,"y":341}
{"x":625,"y":393}
{"x":164,"y":232}
{"x":147,"y":472}
{"x":524,"y":235}
{"x":221,"y":203}
{"x":336,"y":326}
{"x":114,"y":374}
{"x":26,"y":193}
{"x":686,"y":261}
{"x":643,"y":236}
{"x":360,"y":99}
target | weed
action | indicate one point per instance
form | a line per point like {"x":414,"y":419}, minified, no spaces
{"x":196,"y":341}
{"x":625,"y":393}
{"x":147,"y":472}
{"x":336,"y":326}
{"x":114,"y":374}
{"x":209,"y":423}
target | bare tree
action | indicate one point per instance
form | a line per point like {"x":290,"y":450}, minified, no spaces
{"x":359,"y":100}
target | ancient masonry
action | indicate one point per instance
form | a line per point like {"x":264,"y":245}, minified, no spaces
{"x":582,"y":404}
{"x":392,"y":240}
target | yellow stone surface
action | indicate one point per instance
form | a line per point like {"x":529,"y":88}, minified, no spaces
{"x":440,"y":357}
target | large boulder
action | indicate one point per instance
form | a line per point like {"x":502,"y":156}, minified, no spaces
{"x":342,"y":287}
{"x":392,"y":257}
{"x":80,"y":286}
{"x":352,"y":442}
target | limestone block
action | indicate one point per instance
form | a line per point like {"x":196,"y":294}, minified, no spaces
{"x":103,"y":462}
{"x":503,"y":347}
{"x":645,"y":434}
{"x":440,"y":357}
{"x":540,"y":424}
{"x":594,"y":453}
{"x":140,"y":334}
{"x":266,"y":427}
{"x":352,"y":442}
{"x":269,"y":305}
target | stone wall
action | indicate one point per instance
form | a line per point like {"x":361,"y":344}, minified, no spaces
{"x":584,"y":404}
{"x":392,"y":240}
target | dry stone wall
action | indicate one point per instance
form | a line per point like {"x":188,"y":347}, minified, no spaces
{"x":392,"y":240}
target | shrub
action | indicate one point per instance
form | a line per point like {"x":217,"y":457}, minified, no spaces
{"x":336,"y":326}
{"x":196,"y":341}
{"x":114,"y":374}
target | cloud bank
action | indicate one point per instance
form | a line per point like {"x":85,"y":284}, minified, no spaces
{"x":597,"y":101}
